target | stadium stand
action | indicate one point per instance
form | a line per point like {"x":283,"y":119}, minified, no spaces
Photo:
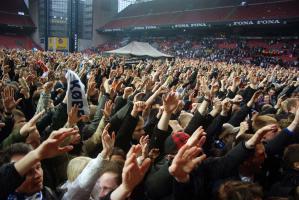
{"x":15,"y":13}
{"x":16,"y":26}
{"x":15,"y":19}
{"x":17,"y":42}
{"x":154,"y":13}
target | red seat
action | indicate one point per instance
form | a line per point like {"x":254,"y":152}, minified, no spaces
{"x":18,"y":42}
{"x":274,"y":10}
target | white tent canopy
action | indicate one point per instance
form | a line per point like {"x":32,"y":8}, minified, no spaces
{"x":139,"y":49}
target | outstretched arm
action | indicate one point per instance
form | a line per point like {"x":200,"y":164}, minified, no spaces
{"x":132,"y":174}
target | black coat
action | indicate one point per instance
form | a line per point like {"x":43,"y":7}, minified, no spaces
{"x":10,"y":180}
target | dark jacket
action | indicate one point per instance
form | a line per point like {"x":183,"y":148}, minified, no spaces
{"x":198,"y":120}
{"x":124,"y":135}
{"x":10,"y":180}
{"x":55,"y":118}
{"x":213,"y":130}
{"x":212,"y":169}
{"x":89,"y":129}
{"x":239,"y":116}
{"x":202,"y":179}
{"x":288,"y":182}
{"x":47,"y":193}
{"x":7,"y":129}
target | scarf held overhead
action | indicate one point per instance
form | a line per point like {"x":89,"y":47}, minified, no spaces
{"x":76,"y":93}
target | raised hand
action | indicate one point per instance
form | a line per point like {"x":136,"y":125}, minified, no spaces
{"x":107,"y":109}
{"x":31,"y":125}
{"x":244,"y":126}
{"x":236,"y":81}
{"x":25,"y":92}
{"x":226,"y":106}
{"x":198,"y":138}
{"x":217,"y":106}
{"x":153,"y":154}
{"x":160,"y":112}
{"x":192,"y":96}
{"x":295,"y":123}
{"x":138,"y":96}
{"x":91,"y":87}
{"x":116,"y":84}
{"x":237,"y":99}
{"x":8,"y":99}
{"x":112,"y":93}
{"x":59,"y":90}
{"x":52,"y":146}
{"x":73,"y":117}
{"x":214,"y":89}
{"x":279,"y":101}
{"x":144,"y":142}
{"x":185,"y":162}
{"x":186,"y":159}
{"x":149,"y":85}
{"x":107,"y":142}
{"x":24,"y":89}
{"x":204,"y":87}
{"x":48,"y":87}
{"x":254,"y":98}
{"x":133,"y":173}
{"x":127,"y":92}
{"x":176,"y":127}
{"x":253,"y":80}
{"x":259,"y":134}
{"x":139,"y":106}
{"x":170,"y":102}
{"x":31,"y":78}
{"x":5,"y":78}
{"x":162,"y":90}
{"x":75,"y":139}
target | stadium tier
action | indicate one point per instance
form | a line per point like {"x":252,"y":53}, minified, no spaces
{"x":17,"y":42}
{"x":15,"y":13}
{"x":16,"y":26}
{"x":140,"y":16}
{"x":12,"y":19}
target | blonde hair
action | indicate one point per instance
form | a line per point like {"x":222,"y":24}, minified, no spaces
{"x":291,"y":102}
{"x":76,"y":166}
{"x":184,"y":119}
{"x":261,"y":121}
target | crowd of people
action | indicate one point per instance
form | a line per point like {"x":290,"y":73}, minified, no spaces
{"x":263,"y":53}
{"x":76,"y":126}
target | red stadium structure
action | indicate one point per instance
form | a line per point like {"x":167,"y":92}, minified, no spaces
{"x":230,"y":24}
{"x":16,"y":26}
{"x":162,"y":14}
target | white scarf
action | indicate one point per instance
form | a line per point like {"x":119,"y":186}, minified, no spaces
{"x":76,"y":93}
{"x":36,"y":196}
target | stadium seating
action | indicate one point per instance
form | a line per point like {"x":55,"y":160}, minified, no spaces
{"x":15,"y":13}
{"x":150,"y":14}
{"x":267,"y":11}
{"x":14,"y":6}
{"x":16,"y":25}
{"x":16,"y":20}
{"x":18,"y":42}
